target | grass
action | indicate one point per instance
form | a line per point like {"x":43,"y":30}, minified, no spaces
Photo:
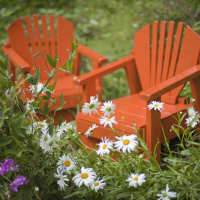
{"x":107,"y":28}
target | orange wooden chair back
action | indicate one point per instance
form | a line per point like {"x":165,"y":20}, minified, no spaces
{"x":35,"y":35}
{"x":163,"y":56}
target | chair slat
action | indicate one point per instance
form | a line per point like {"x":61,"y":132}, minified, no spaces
{"x":168,"y":51}
{"x":161,"y":51}
{"x":188,"y":56}
{"x":65,"y":34}
{"x":19,"y":41}
{"x":43,"y":66}
{"x":52,"y":36}
{"x":176,"y":48}
{"x":45,"y":34}
{"x":32,"y":40}
{"x":154,"y":53}
{"x":142,"y":55}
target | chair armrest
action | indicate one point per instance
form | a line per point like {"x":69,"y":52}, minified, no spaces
{"x":15,"y":58}
{"x":89,"y":53}
{"x":170,"y":84}
{"x":98,"y":73}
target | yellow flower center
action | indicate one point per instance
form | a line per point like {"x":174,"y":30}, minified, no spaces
{"x":84,"y":175}
{"x":135,"y":179}
{"x":104,"y":146}
{"x":156,"y":105}
{"x":126,"y":141}
{"x":41,"y":125}
{"x":108,"y":119}
{"x":91,"y":106}
{"x":67,"y":163}
{"x":96,"y":184}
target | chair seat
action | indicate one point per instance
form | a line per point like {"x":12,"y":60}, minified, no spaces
{"x":131,"y":107}
{"x":71,"y":94}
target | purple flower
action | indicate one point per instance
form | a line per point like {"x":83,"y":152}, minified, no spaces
{"x":8,"y":165}
{"x":20,"y":180}
{"x":8,"y":91}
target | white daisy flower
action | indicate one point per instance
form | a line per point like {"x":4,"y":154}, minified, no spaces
{"x":86,"y":177}
{"x":136,"y":179}
{"x":90,"y":130}
{"x":92,"y":106}
{"x":39,"y":87}
{"x":126,"y":143}
{"x":66,"y":163}
{"x":192,"y":112}
{"x":166,"y":194}
{"x":62,"y":180}
{"x":63,"y":127}
{"x":29,"y":107}
{"x":47,"y":142}
{"x":156,"y":105}
{"x":192,"y":120}
{"x":98,"y":184}
{"x":108,"y":108}
{"x":104,"y":147}
{"x":41,"y":125}
{"x":109,"y":121}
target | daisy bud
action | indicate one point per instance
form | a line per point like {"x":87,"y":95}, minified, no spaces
{"x":36,"y":188}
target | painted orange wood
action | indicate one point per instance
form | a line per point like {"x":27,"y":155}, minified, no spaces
{"x":161,"y":52}
{"x":158,"y":73}
{"x":154,"y":53}
{"x":142,"y":52}
{"x":40,"y":34}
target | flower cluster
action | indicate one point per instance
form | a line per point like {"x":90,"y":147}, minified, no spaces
{"x":20,"y":180}
{"x":8,"y":165}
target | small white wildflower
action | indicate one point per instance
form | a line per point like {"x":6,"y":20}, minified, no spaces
{"x":156,"y":105}
{"x":104,"y":147}
{"x":86,"y":177}
{"x":39,"y":87}
{"x":90,"y":130}
{"x":109,"y":121}
{"x":192,"y":112}
{"x":62,"y":180}
{"x":29,"y":107}
{"x":63,"y":127}
{"x":126,"y":143}
{"x":98,"y":184}
{"x":166,"y":194}
{"x":43,"y":126}
{"x":47,"y":142}
{"x":108,"y":108}
{"x":92,"y":106}
{"x":136,"y":179}
{"x":192,"y":120}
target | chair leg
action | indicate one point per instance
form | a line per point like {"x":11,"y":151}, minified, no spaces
{"x":153,"y":131}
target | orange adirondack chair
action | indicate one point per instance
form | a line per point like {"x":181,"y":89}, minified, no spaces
{"x":30,"y":36}
{"x":157,"y":69}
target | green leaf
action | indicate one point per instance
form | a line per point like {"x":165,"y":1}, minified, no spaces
{"x":3,"y":65}
{"x":50,"y":61}
{"x":50,"y":179}
{"x":5,"y":140}
{"x":19,"y":154}
{"x":10,"y":151}
{"x":60,"y":121}
{"x":54,"y":84}
{"x":55,"y":60}
{"x":46,"y":108}
{"x":61,"y":99}
{"x":37,"y":77}
{"x":51,"y":129}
